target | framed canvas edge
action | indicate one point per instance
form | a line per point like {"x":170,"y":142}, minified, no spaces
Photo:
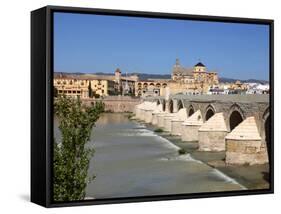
{"x":49,"y":101}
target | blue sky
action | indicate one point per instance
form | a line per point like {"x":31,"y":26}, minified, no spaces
{"x":96,"y":43}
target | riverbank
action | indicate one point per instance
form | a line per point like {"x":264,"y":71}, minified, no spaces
{"x":251,"y":177}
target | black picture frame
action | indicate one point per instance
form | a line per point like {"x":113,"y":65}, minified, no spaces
{"x":42,"y":113}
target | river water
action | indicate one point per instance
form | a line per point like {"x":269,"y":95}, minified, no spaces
{"x":131,"y":160}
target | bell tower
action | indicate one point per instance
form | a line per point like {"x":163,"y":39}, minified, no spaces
{"x":118,"y":76}
{"x":176,"y":73}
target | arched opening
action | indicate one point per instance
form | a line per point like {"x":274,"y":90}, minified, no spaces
{"x":209,"y":114}
{"x":180,"y":105}
{"x":164,"y":105}
{"x":234,"y":120}
{"x":191,"y":111}
{"x":158,"y":102}
{"x":171,"y":106}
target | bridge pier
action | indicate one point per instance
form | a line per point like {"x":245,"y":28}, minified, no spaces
{"x":167,"y":122}
{"x":176,"y":126}
{"x":138,"y":110}
{"x":144,"y":111}
{"x":160,"y":119}
{"x":176,"y":122}
{"x":148,"y":115}
{"x":157,"y":111}
{"x":154,"y":118}
{"x":191,"y":126}
{"x":244,"y":144}
{"x":211,"y":135}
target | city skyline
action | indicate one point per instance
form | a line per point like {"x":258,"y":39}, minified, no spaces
{"x":95,"y":43}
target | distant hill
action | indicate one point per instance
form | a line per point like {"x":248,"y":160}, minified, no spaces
{"x":230,"y":80}
{"x":144,"y":76}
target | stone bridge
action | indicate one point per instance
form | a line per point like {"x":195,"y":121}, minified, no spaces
{"x":236,"y":124}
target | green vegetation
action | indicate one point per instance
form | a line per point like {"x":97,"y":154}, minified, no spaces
{"x":71,"y":156}
{"x":158,"y":130}
{"x":130,"y":116}
{"x":182,"y":151}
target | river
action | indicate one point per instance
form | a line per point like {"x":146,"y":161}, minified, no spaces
{"x":131,"y":160}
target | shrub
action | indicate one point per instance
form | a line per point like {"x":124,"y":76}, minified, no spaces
{"x":182,"y":151}
{"x":158,"y":130}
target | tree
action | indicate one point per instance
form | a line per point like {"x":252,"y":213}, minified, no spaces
{"x":71,"y":156}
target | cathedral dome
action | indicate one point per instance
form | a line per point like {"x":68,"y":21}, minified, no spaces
{"x":199,"y":64}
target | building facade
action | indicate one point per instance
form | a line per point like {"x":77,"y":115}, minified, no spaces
{"x":196,"y":80}
{"x":92,"y":85}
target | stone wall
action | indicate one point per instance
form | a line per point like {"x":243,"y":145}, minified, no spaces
{"x":117,"y":103}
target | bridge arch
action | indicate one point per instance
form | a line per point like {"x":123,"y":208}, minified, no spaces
{"x":209,"y":112}
{"x":180,"y":104}
{"x":164,"y":105}
{"x":190,"y":110}
{"x":170,"y":106}
{"x":236,"y":116}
